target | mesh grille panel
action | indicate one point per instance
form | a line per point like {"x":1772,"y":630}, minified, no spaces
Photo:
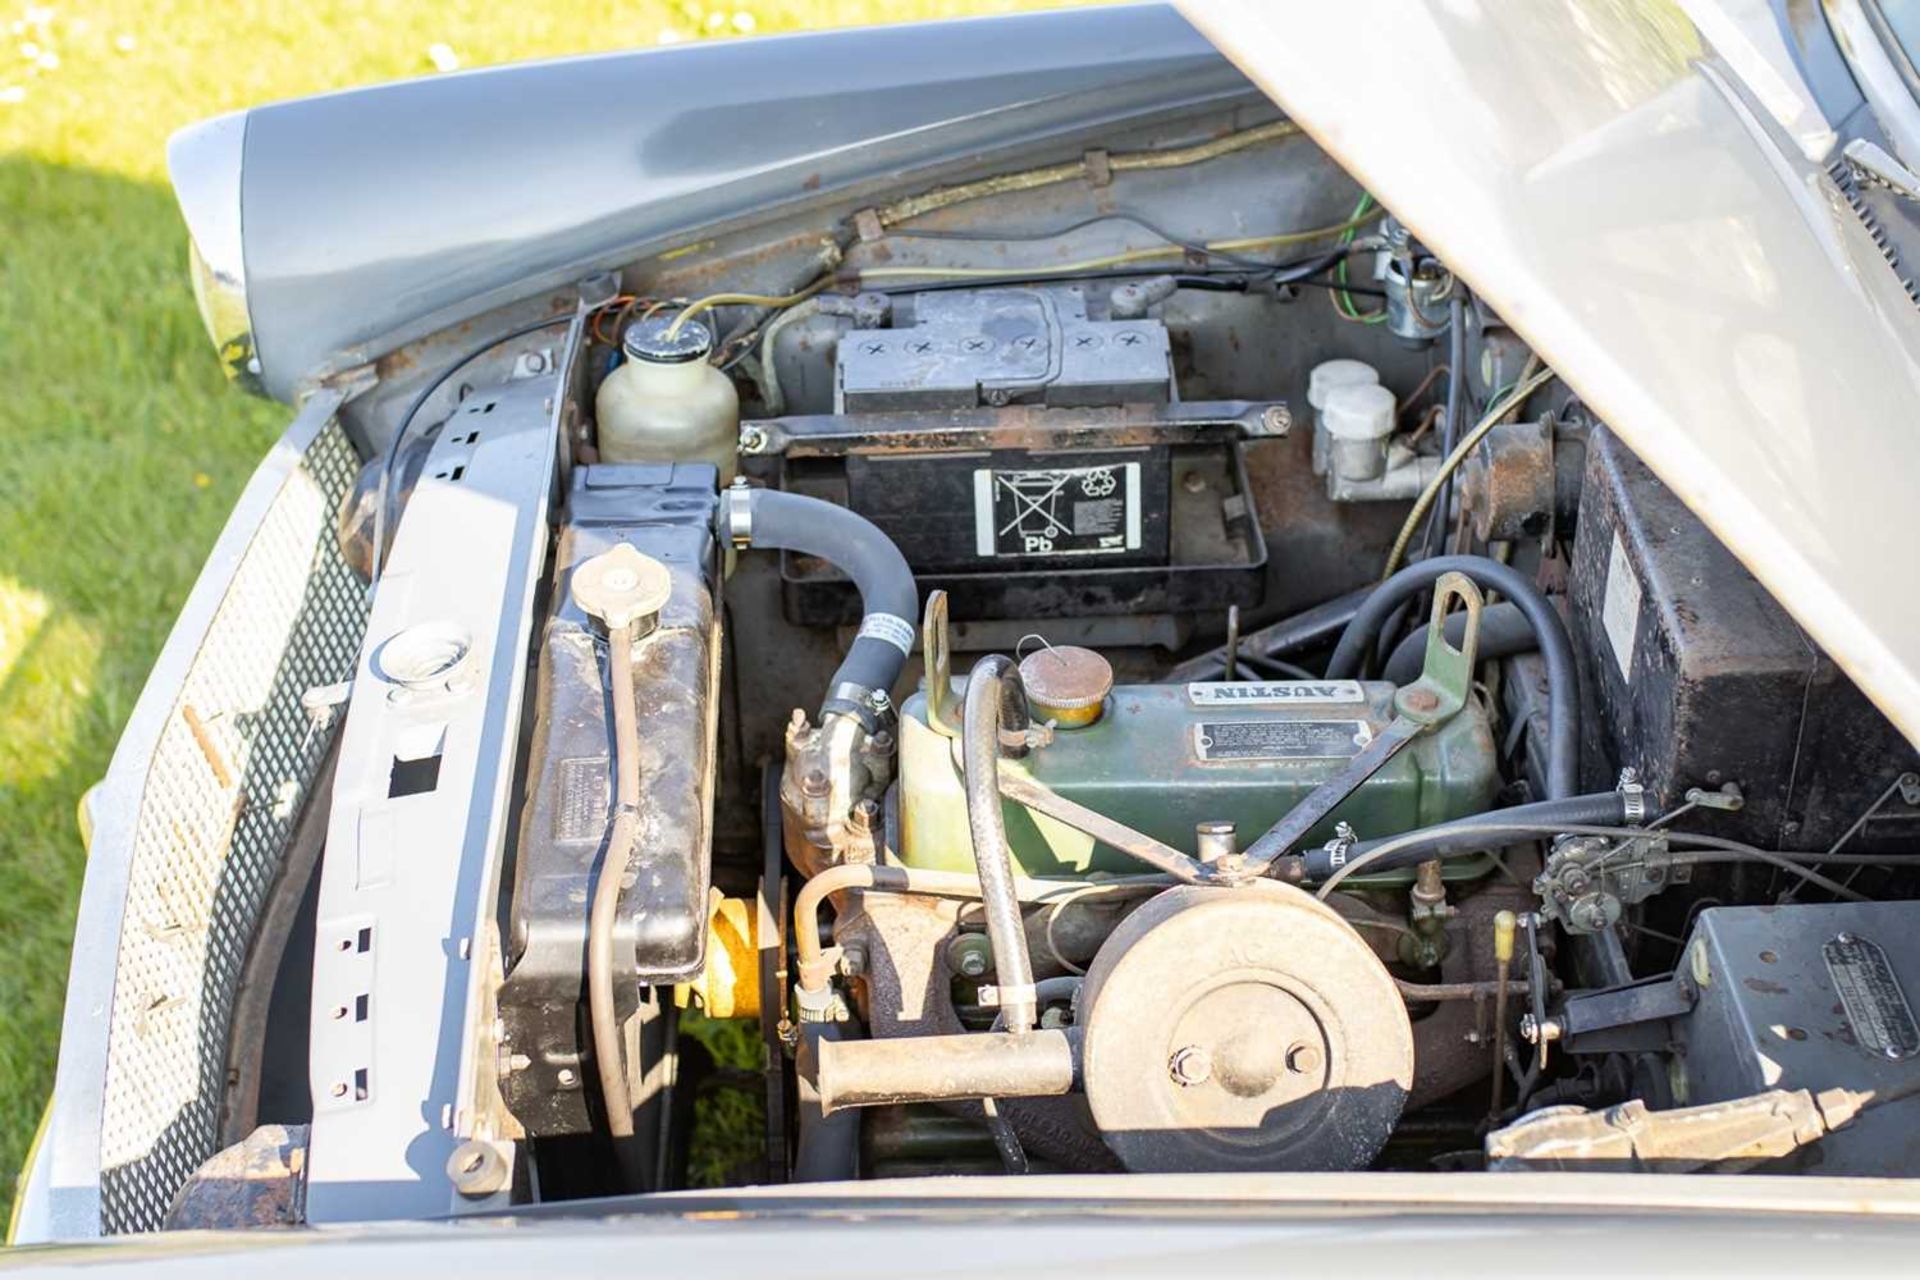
{"x":223,"y":792}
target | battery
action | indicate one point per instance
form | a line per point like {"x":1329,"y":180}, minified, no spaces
{"x":976,"y":347}
{"x":1014,"y":508}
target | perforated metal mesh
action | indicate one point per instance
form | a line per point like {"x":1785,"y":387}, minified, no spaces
{"x":222,"y":795}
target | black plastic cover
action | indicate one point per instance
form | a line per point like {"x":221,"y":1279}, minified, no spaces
{"x":665,"y":512}
{"x":1695,"y":676}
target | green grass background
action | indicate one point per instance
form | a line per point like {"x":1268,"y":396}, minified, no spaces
{"x":121,"y":447}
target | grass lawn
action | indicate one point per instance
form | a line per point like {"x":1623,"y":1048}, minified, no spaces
{"x":121,"y":448}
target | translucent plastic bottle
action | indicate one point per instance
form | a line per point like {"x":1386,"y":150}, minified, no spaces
{"x":665,"y":403}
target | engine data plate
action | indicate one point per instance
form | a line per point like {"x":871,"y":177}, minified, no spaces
{"x":1280,"y":739}
{"x":1876,"y":1008}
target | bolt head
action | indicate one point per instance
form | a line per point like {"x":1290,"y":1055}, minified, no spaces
{"x":1422,"y":700}
{"x":1190,"y":1066}
{"x":1304,"y":1059}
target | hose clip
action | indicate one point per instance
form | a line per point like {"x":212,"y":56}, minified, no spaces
{"x":1633,"y":797}
{"x":736,"y":513}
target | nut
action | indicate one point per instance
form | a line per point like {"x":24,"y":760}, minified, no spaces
{"x":1190,"y":1066}
{"x":477,"y":1169}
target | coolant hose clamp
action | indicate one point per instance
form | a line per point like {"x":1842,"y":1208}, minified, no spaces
{"x":737,"y":504}
{"x":1633,"y":798}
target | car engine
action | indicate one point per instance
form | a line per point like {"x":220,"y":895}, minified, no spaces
{"x":1001,"y":698}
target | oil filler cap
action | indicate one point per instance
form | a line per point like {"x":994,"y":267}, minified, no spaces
{"x":621,"y":587}
{"x":1066,"y":684}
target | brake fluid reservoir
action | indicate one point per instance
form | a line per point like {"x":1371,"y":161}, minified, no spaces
{"x":665,"y":403}
{"x":1326,"y":377}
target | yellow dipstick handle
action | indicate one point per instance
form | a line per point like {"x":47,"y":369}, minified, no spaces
{"x":1503,"y":923}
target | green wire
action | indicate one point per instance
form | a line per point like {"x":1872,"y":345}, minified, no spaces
{"x":1343,"y":300}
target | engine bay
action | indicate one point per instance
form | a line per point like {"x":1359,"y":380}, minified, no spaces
{"x":1125,"y":666}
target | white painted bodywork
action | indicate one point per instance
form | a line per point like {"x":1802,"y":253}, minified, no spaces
{"x":1654,"y":230}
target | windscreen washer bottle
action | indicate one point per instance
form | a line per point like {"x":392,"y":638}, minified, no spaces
{"x":666,"y":402}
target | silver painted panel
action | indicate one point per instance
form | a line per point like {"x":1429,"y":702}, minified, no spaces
{"x":409,"y":880}
{"x":375,"y":216}
{"x":1222,"y":1226}
{"x":204,"y":162}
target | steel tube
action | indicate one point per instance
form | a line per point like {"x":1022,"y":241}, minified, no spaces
{"x":873,"y":1073}
{"x":996,"y":705}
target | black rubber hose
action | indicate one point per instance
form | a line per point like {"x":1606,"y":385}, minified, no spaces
{"x":1563,"y":693}
{"x":996,"y":704}
{"x":855,"y":546}
{"x":828,"y":1146}
{"x":1504,"y":631}
{"x":1303,"y":630}
{"x":1436,"y":531}
{"x":1471,"y":834}
{"x":603,"y":916}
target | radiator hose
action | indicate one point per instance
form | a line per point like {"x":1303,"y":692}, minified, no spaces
{"x":1563,"y":691}
{"x":890,"y":600}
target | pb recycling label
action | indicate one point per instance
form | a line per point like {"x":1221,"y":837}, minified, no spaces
{"x":1059,"y":511}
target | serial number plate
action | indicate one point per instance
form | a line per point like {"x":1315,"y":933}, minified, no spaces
{"x":1280,"y":739}
{"x":1876,"y":1007}
{"x":1059,"y":511}
{"x":582,"y":811}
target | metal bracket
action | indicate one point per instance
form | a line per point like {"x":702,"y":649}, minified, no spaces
{"x":1439,"y":694}
{"x":1618,"y":1019}
{"x":936,"y":647}
{"x":1447,"y":675}
{"x":831,"y":435}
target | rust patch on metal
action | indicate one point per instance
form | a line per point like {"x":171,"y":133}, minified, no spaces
{"x":260,"y":1181}
{"x":209,"y":750}
{"x":1507,"y":482}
